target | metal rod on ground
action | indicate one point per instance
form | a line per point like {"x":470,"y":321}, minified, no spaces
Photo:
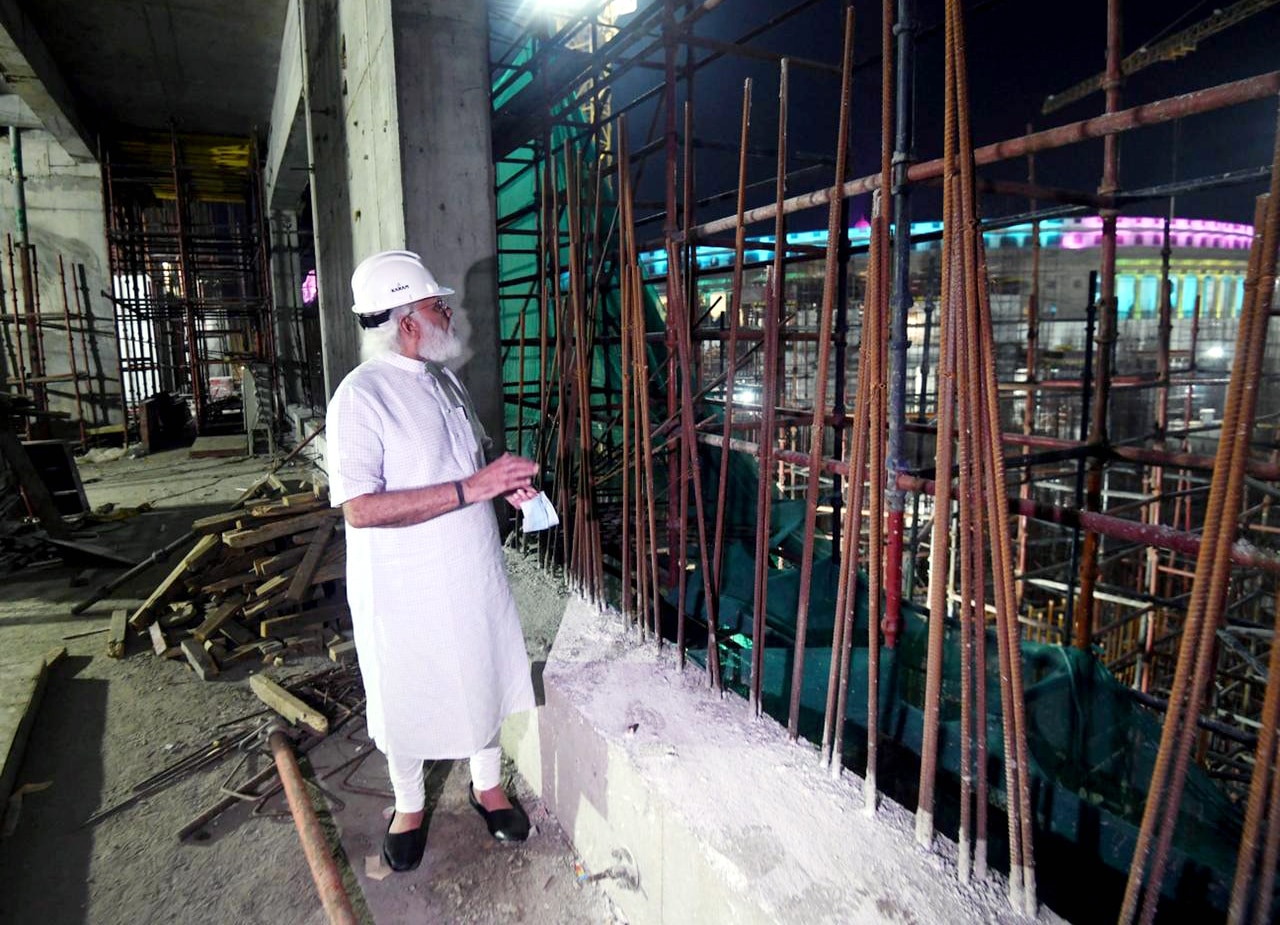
{"x":325,"y":873}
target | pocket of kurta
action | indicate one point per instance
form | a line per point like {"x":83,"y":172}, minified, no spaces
{"x":462,"y":438}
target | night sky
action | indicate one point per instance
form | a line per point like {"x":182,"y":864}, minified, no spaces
{"x":1019,"y":52}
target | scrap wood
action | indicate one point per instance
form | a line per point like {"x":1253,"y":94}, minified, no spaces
{"x":202,"y":548}
{"x":239,"y":539}
{"x":200,"y":660}
{"x":267,"y":566}
{"x":343,"y":651}
{"x":116,"y":633}
{"x":280,"y":626}
{"x":159,"y":644}
{"x":272,"y":585}
{"x":310,"y":562}
{"x":287,"y":705}
{"x":220,"y":615}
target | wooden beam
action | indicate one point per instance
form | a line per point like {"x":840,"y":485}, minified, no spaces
{"x":239,"y":539}
{"x":287,"y":705}
{"x":301,"y":583}
{"x":218,"y":618}
{"x":142,"y":616}
{"x":200,"y":660}
{"x":116,"y":634}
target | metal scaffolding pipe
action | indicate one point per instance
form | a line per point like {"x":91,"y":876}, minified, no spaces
{"x":1209,"y":99}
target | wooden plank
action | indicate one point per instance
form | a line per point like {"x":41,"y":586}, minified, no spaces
{"x":116,"y":634}
{"x":220,"y":615}
{"x":331,"y":572}
{"x":283,"y":626}
{"x":237,"y":634}
{"x":266,"y":605}
{"x":272,"y":585}
{"x":159,"y":644}
{"x":239,"y":539}
{"x":218,"y":523}
{"x":204,"y":546}
{"x":343,"y":651}
{"x":283,"y":508}
{"x":199,"y":659}
{"x":273,"y":565}
{"x":287,"y":705}
{"x":235,"y":582}
{"x":310,"y":563}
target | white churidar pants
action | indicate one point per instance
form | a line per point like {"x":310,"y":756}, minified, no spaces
{"x":408,"y":784}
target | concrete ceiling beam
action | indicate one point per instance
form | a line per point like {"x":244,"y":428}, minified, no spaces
{"x":14,"y":112}
{"x":31,"y":72}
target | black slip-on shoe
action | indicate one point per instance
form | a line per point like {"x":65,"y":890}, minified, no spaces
{"x":504,"y":824}
{"x":403,"y":850}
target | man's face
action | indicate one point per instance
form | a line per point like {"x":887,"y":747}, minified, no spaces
{"x":437,"y":340}
{"x":435,"y":311}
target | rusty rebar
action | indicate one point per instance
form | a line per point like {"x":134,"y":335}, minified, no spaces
{"x":734,"y":309}
{"x":774,"y":297}
{"x":1212,"y":567}
{"x":1264,"y":769}
{"x":817,"y":429}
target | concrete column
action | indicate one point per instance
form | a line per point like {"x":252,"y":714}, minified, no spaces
{"x":442,"y":93}
{"x":396,"y":95}
{"x":65,"y":217}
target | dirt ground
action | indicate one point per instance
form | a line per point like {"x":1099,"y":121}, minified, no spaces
{"x":105,"y":725}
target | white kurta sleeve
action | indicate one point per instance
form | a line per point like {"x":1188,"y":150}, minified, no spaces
{"x":355,"y":451}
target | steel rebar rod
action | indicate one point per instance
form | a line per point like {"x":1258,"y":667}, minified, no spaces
{"x":734,"y":308}
{"x":820,"y":385}
{"x":1264,"y":768}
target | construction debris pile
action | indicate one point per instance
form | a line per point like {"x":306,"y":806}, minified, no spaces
{"x":262,"y":580}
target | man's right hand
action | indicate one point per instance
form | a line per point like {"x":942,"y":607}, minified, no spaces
{"x":503,"y":476}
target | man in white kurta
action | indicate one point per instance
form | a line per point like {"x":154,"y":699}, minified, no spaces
{"x":439,"y":641}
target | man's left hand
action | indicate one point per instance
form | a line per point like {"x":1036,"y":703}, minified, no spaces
{"x":520,"y":496}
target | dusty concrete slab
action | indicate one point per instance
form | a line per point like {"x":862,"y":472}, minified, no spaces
{"x":21,"y":687}
{"x":219,"y":447}
{"x":692,"y":810}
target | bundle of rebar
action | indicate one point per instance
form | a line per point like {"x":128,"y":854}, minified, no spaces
{"x":1206,"y":610}
{"x":968,"y":418}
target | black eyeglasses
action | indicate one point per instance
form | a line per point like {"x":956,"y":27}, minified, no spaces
{"x":441,"y":307}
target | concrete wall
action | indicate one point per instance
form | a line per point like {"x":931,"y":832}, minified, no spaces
{"x":65,"y":217}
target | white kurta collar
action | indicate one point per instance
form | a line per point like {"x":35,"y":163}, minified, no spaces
{"x":400,"y":361}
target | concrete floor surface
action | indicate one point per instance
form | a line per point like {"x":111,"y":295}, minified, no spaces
{"x":105,"y":725}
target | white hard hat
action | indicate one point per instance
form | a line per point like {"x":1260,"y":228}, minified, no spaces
{"x":390,"y":279}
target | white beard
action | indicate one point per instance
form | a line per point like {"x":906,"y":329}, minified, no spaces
{"x":439,"y":345}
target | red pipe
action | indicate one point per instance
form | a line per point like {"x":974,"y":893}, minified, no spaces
{"x":325,"y":873}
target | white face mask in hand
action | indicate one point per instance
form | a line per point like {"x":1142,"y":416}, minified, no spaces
{"x":538,"y":514}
